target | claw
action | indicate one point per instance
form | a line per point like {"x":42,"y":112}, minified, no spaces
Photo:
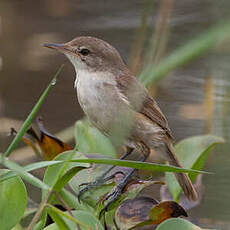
{"x":96,"y":183}
{"x":80,"y":194}
{"x":115,"y":193}
{"x":85,"y":189}
{"x":112,"y":197}
{"x":87,"y":183}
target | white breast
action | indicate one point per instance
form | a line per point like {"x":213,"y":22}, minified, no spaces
{"x":95,"y":92}
{"x":91,"y":85}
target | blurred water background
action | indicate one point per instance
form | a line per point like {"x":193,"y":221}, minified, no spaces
{"x":195,"y":98}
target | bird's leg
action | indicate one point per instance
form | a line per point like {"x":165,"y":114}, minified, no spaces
{"x":117,"y":191}
{"x":102,"y":179}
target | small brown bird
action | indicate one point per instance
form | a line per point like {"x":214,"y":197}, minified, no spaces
{"x":115,"y":101}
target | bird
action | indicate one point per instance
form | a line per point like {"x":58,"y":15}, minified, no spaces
{"x":116,"y":102}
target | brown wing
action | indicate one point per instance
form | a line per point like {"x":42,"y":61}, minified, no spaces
{"x":151,"y":110}
{"x":141,"y":101}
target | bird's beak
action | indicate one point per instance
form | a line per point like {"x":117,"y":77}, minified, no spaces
{"x":63,"y":48}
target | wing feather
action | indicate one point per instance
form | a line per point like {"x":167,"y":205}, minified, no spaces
{"x":141,"y":101}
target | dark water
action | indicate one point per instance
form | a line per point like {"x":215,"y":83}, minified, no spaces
{"x":26,"y":68}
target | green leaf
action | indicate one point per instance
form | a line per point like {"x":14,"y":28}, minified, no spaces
{"x":28,"y":168}
{"x":139,"y":165}
{"x":40,"y":224}
{"x":94,"y":194}
{"x":31,"y":116}
{"x":124,"y":163}
{"x":72,"y":201}
{"x":89,"y":220}
{"x":58,"y":220}
{"x":63,"y":169}
{"x":52,"y":227}
{"x":177,"y":224}
{"x":91,"y":197}
{"x":57,"y":161}
{"x":192,"y":153}
{"x":193,"y":49}
{"x":13,"y":199}
{"x":67,"y":177}
{"x":91,"y":140}
{"x":22,"y":173}
{"x":56,"y":171}
{"x":17,"y":227}
{"x":91,"y":174}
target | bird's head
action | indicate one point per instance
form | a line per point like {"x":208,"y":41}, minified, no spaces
{"x":90,"y":54}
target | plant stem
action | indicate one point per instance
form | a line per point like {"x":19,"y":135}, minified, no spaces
{"x":39,"y":211}
{"x":31,"y":116}
{"x":65,"y":205}
{"x":193,"y":49}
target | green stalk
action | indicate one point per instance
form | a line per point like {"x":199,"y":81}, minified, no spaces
{"x":192,"y":50}
{"x":31,"y":116}
{"x":39,"y":211}
{"x":19,"y":170}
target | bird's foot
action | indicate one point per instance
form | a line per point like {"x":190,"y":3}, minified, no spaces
{"x":113,"y":196}
{"x":97,"y":183}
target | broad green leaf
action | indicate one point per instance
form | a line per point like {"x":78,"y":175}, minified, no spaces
{"x":93,"y":195}
{"x":55,"y":172}
{"x":89,"y":220}
{"x":91,"y":174}
{"x":192,"y":153}
{"x":17,"y":227}
{"x":177,"y":224}
{"x":13,"y":199}
{"x":72,"y":201}
{"x":32,"y":115}
{"x":91,"y":140}
{"x":64,"y":170}
{"x":67,"y":177}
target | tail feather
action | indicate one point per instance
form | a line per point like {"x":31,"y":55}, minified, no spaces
{"x":182,"y":178}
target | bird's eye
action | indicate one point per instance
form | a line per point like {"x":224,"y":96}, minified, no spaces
{"x":84,"y":51}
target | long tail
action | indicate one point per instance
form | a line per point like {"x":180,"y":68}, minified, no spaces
{"x":182,"y":178}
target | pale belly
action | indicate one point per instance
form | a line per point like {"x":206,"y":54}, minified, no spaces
{"x":101,"y":102}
